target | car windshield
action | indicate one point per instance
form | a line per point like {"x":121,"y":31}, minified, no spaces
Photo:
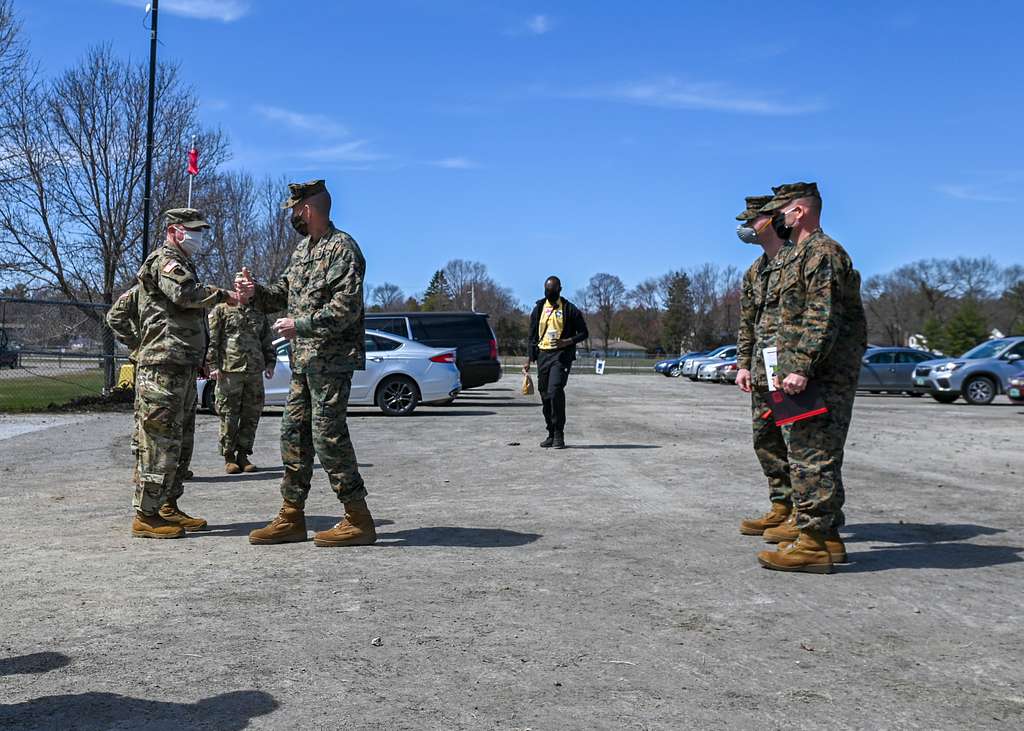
{"x":988,"y":349}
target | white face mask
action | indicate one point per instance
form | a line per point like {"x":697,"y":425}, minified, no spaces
{"x":192,"y":242}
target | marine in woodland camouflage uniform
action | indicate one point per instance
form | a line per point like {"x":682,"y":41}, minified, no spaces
{"x":759,"y":316}
{"x":172,"y":346}
{"x":123,"y":321}
{"x":241,"y":349}
{"x":322,"y":291}
{"x":821,"y":336}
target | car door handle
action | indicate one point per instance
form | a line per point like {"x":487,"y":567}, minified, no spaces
{"x":377,"y":359}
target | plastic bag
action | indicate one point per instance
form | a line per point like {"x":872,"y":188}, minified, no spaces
{"x":527,"y":388}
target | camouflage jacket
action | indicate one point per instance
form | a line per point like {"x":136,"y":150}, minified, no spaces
{"x":240,"y":340}
{"x":322,"y":290}
{"x":822,"y":331}
{"x":759,"y":312}
{"x":123,"y":320}
{"x":172,"y":310}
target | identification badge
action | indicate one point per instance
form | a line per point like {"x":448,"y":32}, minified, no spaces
{"x":771,"y":365}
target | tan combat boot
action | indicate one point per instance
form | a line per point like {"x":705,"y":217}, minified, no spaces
{"x":833,"y":544}
{"x":355,"y":530}
{"x":170,"y":512}
{"x":153,"y":526}
{"x":288,"y":527}
{"x":242,"y":460}
{"x":230,"y":465}
{"x":807,"y":554}
{"x":772,"y":519}
{"x":787,"y":531}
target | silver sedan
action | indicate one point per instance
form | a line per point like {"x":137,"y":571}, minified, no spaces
{"x":400,"y":374}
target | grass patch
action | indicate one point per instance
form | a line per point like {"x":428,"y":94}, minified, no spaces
{"x":37,"y":392}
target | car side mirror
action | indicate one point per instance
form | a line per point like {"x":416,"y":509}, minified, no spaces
{"x":1013,"y":357}
{"x":865,"y":361}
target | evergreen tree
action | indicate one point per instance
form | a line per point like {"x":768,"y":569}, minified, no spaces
{"x":438,"y":295}
{"x":677,"y":327}
{"x":966,"y":328}
{"x":935,"y":333}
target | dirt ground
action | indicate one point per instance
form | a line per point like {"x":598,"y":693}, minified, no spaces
{"x":602,"y":587}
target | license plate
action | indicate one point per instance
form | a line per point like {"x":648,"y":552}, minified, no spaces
{"x":920,"y":381}
{"x":1014,"y":393}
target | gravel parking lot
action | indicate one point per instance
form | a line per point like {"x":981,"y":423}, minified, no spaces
{"x":603,"y":587}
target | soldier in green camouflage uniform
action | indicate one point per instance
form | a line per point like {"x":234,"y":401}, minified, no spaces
{"x":322,"y":290}
{"x":759,"y":302}
{"x":821,"y":336}
{"x":123,"y":321}
{"x":172,"y":345}
{"x":241,"y":349}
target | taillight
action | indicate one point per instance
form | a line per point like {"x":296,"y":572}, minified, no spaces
{"x":494,"y":349}
{"x":443,"y":358}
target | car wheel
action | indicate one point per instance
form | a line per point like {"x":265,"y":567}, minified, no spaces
{"x":944,"y":398}
{"x":874,"y":393}
{"x":208,"y":401}
{"x":398,"y":396}
{"x":675,"y":372}
{"x":979,"y":391}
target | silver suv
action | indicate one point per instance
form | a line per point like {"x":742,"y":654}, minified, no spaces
{"x":692,"y":366}
{"x":978,"y":375}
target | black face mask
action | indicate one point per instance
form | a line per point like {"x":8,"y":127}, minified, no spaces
{"x":300,"y":225}
{"x":552,"y":295}
{"x":781,"y":229}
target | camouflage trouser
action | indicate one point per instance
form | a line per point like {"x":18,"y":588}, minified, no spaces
{"x":165,"y":414}
{"x":239,"y":405}
{"x":770,"y":448}
{"x":314,"y":421}
{"x":816,"y":460}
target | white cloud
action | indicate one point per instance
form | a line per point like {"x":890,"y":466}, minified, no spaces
{"x":535,"y":25}
{"x":315,"y":123}
{"x":226,"y":11}
{"x":672,"y":93}
{"x":455,"y":163}
{"x":971,"y":193}
{"x":354,"y":151}
{"x":539,"y":25}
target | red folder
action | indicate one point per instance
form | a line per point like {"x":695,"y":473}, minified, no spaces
{"x":788,"y":409}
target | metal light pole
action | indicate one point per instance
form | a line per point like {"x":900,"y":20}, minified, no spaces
{"x":147,"y":189}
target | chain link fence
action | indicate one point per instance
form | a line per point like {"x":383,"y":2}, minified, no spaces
{"x":55,"y":352}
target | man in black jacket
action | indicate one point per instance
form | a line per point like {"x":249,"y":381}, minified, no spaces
{"x":556,"y":326}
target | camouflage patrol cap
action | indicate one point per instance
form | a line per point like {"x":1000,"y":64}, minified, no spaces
{"x":790,"y":192}
{"x":187,"y":217}
{"x":754,"y":205}
{"x":298,"y":192}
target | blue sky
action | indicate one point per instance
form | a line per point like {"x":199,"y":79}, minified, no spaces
{"x":577,"y":137}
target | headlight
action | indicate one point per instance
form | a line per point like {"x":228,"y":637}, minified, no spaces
{"x":948,"y":367}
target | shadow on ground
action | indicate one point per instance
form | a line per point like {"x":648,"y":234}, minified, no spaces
{"x":37,"y":662}
{"x":925,"y":546}
{"x":102,"y":711}
{"x":313,"y":523}
{"x":612,"y":446}
{"x":457,"y":537}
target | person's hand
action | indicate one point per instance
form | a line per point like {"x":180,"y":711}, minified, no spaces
{"x":285,"y":327}
{"x":526,"y":368}
{"x":563,"y":343}
{"x":743,"y":380}
{"x":794,"y":383}
{"x":269,"y":373}
{"x":214,"y":374}
{"x":233,"y":298}
{"x":245,"y":288}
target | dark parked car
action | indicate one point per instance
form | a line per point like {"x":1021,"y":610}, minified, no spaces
{"x":1016,"y":388}
{"x":469,"y":333}
{"x":891,"y":370}
{"x":10,"y":355}
{"x":673,"y":367}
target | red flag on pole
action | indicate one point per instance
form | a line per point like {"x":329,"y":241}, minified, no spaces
{"x":193,"y":160}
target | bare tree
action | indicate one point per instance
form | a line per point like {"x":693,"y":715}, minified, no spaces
{"x":71,"y":208}
{"x":464,"y":277}
{"x":387,"y":297}
{"x":604,"y":295}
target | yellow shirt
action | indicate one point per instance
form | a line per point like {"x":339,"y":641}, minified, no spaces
{"x":552,"y":321}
